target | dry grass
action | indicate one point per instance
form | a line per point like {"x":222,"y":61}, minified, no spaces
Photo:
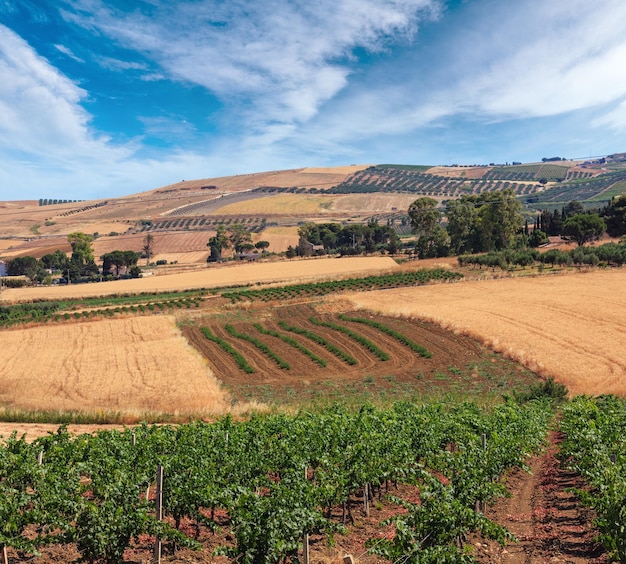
{"x":281,"y":204}
{"x":212,"y":277}
{"x":279,"y":238}
{"x":570,"y":326}
{"x":345,"y":170}
{"x":131,"y":366}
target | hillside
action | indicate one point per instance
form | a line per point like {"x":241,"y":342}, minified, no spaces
{"x":183,"y":216}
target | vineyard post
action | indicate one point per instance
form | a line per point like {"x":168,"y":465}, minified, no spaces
{"x":305,"y":548}
{"x":133,"y":438}
{"x":40,"y":458}
{"x":159,"y":511}
{"x":366,"y":505}
{"x":481,"y":504}
{"x":5,"y":556}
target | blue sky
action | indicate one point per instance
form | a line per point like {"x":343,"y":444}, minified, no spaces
{"x":103,"y":98}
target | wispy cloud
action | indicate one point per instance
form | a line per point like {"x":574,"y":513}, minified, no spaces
{"x":285,"y":58}
{"x":67,"y":51}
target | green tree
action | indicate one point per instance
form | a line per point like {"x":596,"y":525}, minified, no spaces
{"x":262,"y":245}
{"x":239,"y":236}
{"x":615,"y":216}
{"x":55,"y":261}
{"x":82,"y":261}
{"x":462,"y":219}
{"x":424,"y":217}
{"x":584,"y":228}
{"x":573,"y":208}
{"x":218,"y":243}
{"x":148,"y":246}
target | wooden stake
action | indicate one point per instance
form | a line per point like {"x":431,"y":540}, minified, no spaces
{"x":159,"y":511}
{"x":366,"y":500}
{"x":305,"y":549}
{"x":40,"y":458}
{"x":5,"y":556}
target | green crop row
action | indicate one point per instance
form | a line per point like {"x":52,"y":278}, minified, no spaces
{"x":394,"y":280}
{"x":259,"y":345}
{"x":373,"y":348}
{"x":419,"y":349}
{"x":241,"y":361}
{"x":339,"y":353}
{"x":291,"y":341}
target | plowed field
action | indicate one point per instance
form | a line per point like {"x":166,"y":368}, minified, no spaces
{"x":457,"y":362}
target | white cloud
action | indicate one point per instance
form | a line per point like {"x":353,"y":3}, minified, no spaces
{"x":40,"y":107}
{"x":67,"y":51}
{"x":287,"y":58}
{"x":542,"y":58}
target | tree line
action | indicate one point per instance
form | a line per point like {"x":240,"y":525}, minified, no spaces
{"x":334,"y":238}
{"x":493,"y":222}
{"x":80,"y":266}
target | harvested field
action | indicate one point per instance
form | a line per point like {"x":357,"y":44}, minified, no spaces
{"x":570,"y":326}
{"x":279,"y":204}
{"x":213,"y":277}
{"x":168,"y":242}
{"x":279,"y":238}
{"x":132,"y":366}
{"x":458,"y":364}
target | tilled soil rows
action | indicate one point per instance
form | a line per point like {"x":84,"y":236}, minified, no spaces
{"x":454,"y":359}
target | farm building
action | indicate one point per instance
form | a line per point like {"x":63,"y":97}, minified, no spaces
{"x":3,"y":268}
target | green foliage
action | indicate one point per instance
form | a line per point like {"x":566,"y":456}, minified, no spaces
{"x":394,"y":280}
{"x":259,"y":345}
{"x":594,"y":447}
{"x":339,"y":353}
{"x":615,"y":216}
{"x":486,"y":222}
{"x":419,"y":349}
{"x":544,"y":390}
{"x":273,"y":478}
{"x":239,"y":358}
{"x":584,"y":228}
{"x":362,"y":340}
{"x":291,"y":341}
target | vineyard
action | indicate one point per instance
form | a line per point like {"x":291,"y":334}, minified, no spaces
{"x":203,"y":223}
{"x":580,"y":189}
{"x":595,"y":447}
{"x":392,"y":179}
{"x":266,"y":489}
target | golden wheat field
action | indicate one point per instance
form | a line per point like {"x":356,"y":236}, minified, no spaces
{"x":570,"y":326}
{"x":132,"y":366}
{"x":214,"y":276}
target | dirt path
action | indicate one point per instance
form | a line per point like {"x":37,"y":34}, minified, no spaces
{"x":549,"y":521}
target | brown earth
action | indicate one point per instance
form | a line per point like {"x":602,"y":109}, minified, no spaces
{"x":458,"y":363}
{"x":545,"y":516}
